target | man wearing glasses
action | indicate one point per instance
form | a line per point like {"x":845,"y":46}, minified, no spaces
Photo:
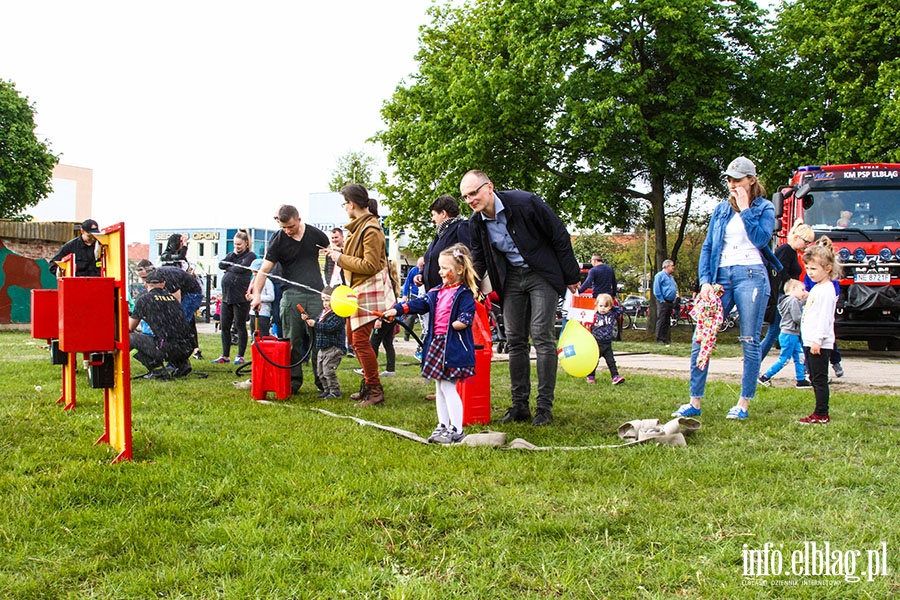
{"x":526,"y":251}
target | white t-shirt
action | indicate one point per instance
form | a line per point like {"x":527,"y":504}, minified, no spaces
{"x":737,"y":249}
{"x":817,"y":322}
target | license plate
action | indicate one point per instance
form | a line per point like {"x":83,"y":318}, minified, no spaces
{"x":872,"y":278}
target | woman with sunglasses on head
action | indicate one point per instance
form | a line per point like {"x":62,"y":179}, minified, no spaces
{"x":736,"y":256}
{"x":799,"y":237}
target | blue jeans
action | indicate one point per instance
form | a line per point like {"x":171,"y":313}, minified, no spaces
{"x":772,"y":334}
{"x":746,"y":287}
{"x":791,"y":348}
{"x":529,"y":306}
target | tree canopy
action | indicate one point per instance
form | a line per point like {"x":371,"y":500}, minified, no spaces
{"x":832,"y":89}
{"x":26,"y":163}
{"x":353,"y":167}
{"x":601,"y":108}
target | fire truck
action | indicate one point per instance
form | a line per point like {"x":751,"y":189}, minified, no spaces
{"x":858,"y":207}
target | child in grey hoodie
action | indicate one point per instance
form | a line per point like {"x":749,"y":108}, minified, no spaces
{"x":790,"y":307}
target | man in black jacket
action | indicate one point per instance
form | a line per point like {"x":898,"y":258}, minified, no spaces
{"x":85,"y":249}
{"x":526,"y":251}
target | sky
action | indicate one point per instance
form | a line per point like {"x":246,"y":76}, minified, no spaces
{"x":193,"y":113}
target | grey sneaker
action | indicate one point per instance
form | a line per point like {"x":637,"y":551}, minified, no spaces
{"x":838,"y":369}
{"x":387,"y":374}
{"x":455,"y":436}
{"x":438,"y":432}
{"x":447,"y":436}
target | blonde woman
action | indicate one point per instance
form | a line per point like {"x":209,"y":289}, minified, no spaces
{"x":799,"y":237}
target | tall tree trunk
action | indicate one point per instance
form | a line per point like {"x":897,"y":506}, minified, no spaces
{"x":685,"y":213}
{"x":658,"y":206}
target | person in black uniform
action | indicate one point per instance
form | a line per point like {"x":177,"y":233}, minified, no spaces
{"x":171,"y":339}
{"x":85,"y":249}
{"x":186,"y":289}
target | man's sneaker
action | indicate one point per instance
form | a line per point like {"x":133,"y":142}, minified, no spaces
{"x":387,"y":374}
{"x":815,"y":419}
{"x":738,"y":413}
{"x":324,"y":395}
{"x":806,"y":384}
{"x":766,"y":381}
{"x":182,"y":370}
{"x":239,"y":360}
{"x":333,"y":395}
{"x":222,"y":360}
{"x":590,"y":379}
{"x":514,"y":413}
{"x":159,"y":374}
{"x":438,"y":432}
{"x":358,"y":371}
{"x":618,"y":379}
{"x":542,"y":416}
{"x":686,"y":410}
{"x":838,"y":369}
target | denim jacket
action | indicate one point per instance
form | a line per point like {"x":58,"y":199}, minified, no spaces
{"x":759,"y":222}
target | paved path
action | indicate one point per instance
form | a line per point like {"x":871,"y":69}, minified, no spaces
{"x":873,"y":372}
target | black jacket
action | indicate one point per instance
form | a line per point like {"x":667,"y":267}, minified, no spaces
{"x":456,"y":233}
{"x":86,"y":262}
{"x":540,"y":237}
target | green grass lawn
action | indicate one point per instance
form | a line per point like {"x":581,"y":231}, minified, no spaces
{"x":231,"y":498}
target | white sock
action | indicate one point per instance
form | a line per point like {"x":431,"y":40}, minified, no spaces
{"x":441,"y":404}
{"x":453,"y":403}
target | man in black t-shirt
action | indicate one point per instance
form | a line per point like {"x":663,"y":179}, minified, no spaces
{"x":171,"y":339}
{"x":296,"y":249}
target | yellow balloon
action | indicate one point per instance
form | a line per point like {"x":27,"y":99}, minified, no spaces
{"x":577,"y":350}
{"x":343,"y":301}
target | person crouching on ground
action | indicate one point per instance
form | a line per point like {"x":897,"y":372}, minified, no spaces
{"x":603,"y":330}
{"x":171,"y":339}
{"x":449,"y":343}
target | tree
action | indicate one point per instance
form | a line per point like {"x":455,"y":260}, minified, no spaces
{"x":353,"y":167}
{"x":602,"y":109}
{"x":26,"y":164}
{"x":833,"y":94}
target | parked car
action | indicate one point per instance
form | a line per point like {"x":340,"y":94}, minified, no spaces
{"x":636,"y":305}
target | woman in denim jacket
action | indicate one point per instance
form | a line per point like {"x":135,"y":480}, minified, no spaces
{"x":735,"y":255}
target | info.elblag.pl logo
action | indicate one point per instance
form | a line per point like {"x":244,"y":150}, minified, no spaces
{"x":813,"y":559}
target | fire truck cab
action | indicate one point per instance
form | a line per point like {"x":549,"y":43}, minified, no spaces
{"x":858,"y":207}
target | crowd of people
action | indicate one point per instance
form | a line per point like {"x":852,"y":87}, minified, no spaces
{"x":513,"y":250}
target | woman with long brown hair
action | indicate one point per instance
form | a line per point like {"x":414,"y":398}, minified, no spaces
{"x":363,"y":261}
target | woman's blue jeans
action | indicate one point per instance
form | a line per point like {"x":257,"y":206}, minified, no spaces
{"x":746,"y":287}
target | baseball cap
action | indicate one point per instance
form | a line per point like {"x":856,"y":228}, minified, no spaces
{"x":741,"y":167}
{"x":90,"y":226}
{"x":154,"y":277}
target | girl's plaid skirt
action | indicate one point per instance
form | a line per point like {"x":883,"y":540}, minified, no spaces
{"x":432,"y":362}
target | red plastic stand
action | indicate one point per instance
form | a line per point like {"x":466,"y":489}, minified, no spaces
{"x":265,"y":377}
{"x":476,"y":391}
